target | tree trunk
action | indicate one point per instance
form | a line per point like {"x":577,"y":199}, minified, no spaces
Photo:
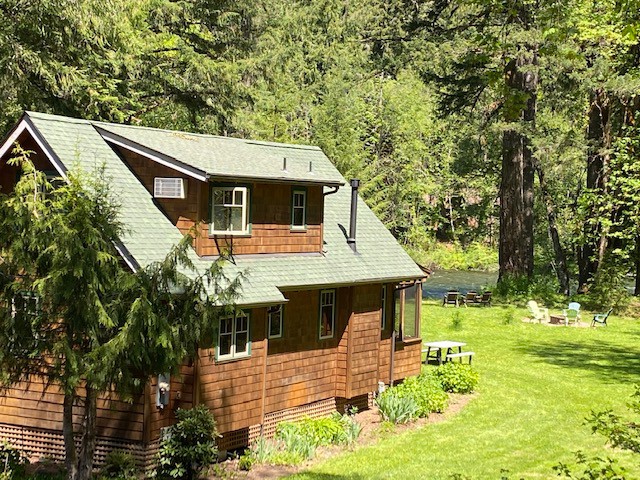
{"x":599,"y":135}
{"x":71,"y":456}
{"x":562,"y":271}
{"x":530,"y":86}
{"x":88,"y":445}
{"x":518,"y":173}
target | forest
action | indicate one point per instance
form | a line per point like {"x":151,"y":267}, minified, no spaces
{"x":502,"y":129}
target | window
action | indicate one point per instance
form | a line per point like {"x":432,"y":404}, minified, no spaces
{"x":24,"y":310}
{"x":229,"y":210}
{"x":275,"y":321}
{"x":383,"y":302}
{"x":327,"y":313}
{"x":25,"y":307}
{"x":168,"y":187}
{"x":233,"y":337}
{"x":298,"y":210}
{"x":406,"y":311}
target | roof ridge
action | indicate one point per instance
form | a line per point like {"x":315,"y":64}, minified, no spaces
{"x":250,"y":141}
{"x":57,"y":118}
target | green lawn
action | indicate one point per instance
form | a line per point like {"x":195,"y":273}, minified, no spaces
{"x":537,"y":385}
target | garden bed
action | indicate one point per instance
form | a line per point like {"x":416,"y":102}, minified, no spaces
{"x":373,"y":429}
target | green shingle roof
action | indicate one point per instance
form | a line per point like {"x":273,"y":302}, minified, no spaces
{"x":150,"y":234}
{"x":228,"y":157}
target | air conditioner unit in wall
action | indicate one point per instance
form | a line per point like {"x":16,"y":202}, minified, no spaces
{"x":169,"y":187}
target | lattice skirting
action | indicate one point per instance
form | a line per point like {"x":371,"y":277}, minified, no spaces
{"x":40,"y":443}
{"x":322,"y":408}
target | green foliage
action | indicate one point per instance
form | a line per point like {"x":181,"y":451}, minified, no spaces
{"x":426,"y":390}
{"x":414,"y":397}
{"x":457,"y":377}
{"x":591,"y":468}
{"x":116,"y":327}
{"x":455,"y":256}
{"x":395,"y":408}
{"x":608,"y":289}
{"x":519,"y":290}
{"x":296,"y":442}
{"x":619,"y":432}
{"x":12,"y":462}
{"x":456,"y":320}
{"x":189,"y":445}
{"x":119,"y":465}
{"x":508,"y":316}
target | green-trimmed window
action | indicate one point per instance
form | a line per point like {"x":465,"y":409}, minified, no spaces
{"x":233,"y":337}
{"x":275,"y":321}
{"x":229,"y":210}
{"x":327,"y":313}
{"x":299,"y":209}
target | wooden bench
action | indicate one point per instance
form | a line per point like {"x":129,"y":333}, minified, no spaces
{"x":460,"y":355}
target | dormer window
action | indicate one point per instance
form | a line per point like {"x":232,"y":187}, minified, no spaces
{"x":229,"y":210}
{"x":299,"y":210}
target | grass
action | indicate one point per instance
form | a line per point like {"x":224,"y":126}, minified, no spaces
{"x":537,"y":386}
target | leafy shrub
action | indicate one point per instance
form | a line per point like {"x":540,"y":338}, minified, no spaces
{"x":457,"y":377}
{"x":426,"y":391}
{"x":297,"y":441}
{"x":456,"y":256}
{"x":396,"y":408}
{"x":303,"y":446}
{"x":509,"y":316}
{"x":512,"y":290}
{"x":12,"y":462}
{"x":456,"y":320}
{"x":119,"y":465}
{"x":607,"y":290}
{"x":352,"y":429}
{"x":189,"y":445}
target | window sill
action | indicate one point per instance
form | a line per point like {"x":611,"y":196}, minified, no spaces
{"x":230,"y":234}
{"x":233,"y":359}
{"x":298,"y":229}
{"x":409,"y":340}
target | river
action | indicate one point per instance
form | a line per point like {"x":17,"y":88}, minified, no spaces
{"x":442,"y":281}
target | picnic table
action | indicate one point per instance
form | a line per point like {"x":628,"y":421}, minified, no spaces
{"x":444,"y":345}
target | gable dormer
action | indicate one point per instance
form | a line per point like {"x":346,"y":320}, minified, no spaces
{"x":248,"y":197}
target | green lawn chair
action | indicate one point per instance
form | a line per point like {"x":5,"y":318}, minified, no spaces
{"x":601,"y":318}
{"x":572,"y":313}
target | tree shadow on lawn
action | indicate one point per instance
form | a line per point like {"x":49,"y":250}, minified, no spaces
{"x":609,"y":360}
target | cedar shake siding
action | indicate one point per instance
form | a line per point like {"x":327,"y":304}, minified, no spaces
{"x":270,"y":214}
{"x":304,"y":372}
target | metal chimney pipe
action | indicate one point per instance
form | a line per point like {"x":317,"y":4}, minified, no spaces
{"x":355,"y":183}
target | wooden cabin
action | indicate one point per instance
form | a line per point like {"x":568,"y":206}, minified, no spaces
{"x":329,"y":309}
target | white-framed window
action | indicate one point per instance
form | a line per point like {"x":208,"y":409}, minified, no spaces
{"x":233,"y":337}
{"x":164,"y":187}
{"x":299,"y":210}
{"x":274,"y":315}
{"x":229,"y":210}
{"x":327,"y":313}
{"x":383,"y":307}
{"x":25,"y":306}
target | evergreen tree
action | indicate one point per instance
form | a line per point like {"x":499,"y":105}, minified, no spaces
{"x":72,"y":314}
